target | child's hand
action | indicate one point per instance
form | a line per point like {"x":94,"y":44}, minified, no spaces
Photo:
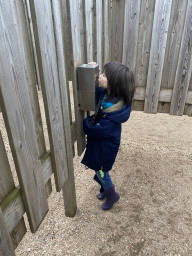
{"x":92,"y":63}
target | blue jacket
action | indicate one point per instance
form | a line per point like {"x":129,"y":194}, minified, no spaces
{"x":103,"y":139}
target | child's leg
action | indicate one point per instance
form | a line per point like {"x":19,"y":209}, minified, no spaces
{"x":109,"y":191}
{"x":105,"y":180}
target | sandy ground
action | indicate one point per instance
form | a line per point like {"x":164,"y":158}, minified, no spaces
{"x":153,"y":176}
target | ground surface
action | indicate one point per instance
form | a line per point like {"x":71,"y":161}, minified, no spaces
{"x":153,"y":175}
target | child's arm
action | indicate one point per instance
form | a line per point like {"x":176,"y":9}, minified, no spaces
{"x":103,"y":129}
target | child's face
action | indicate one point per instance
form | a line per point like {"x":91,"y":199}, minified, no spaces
{"x":103,"y":81}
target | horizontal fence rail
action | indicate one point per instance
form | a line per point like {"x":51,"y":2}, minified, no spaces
{"x":41,"y":45}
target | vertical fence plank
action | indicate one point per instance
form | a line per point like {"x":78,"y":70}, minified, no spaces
{"x":77,"y":60}
{"x":99,"y":32}
{"x":175,"y":32}
{"x":158,"y":44}
{"x":29,"y":66}
{"x":89,"y":29}
{"x":6,"y":187}
{"x":17,"y":114}
{"x":69,"y":186}
{"x":68,"y":39}
{"x":117,"y":30}
{"x":45,"y":41}
{"x":6,"y":246}
{"x":106,"y":31}
{"x":184,"y":67}
{"x":144,"y":42}
{"x":131,"y":27}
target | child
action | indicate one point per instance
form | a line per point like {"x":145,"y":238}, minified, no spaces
{"x":114,"y":97}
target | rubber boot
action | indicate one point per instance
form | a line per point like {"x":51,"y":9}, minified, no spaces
{"x":101,"y":195}
{"x":112,"y":197}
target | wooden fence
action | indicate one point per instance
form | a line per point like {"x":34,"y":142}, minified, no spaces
{"x":42,"y":43}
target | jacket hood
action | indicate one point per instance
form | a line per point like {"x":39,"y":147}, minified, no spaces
{"x":120,"y":116}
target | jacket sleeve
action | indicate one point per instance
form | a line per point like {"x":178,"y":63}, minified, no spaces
{"x":103,"y":129}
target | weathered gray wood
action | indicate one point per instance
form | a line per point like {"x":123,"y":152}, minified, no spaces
{"x":184,"y":67}
{"x":18,"y":118}
{"x":68,"y":38}
{"x":78,"y":60}
{"x":165,"y":95}
{"x":174,"y":37}
{"x":6,"y":179}
{"x":131,"y":27}
{"x":6,"y":246}
{"x":99,"y":27}
{"x":117,"y":30}
{"x":29,"y":66}
{"x":69,"y":185}
{"x":18,"y":233}
{"x":157,"y":54}
{"x":6,"y":186}
{"x":44,"y":34}
{"x":13,"y":207}
{"x":89,"y":29}
{"x":27,"y":50}
{"x":144,"y":41}
{"x":33,"y":44}
{"x":106,"y":31}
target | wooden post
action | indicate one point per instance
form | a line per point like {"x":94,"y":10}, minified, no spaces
{"x":117,"y":30}
{"x":69,"y":185}
{"x":77,"y":60}
{"x":131,"y":27}
{"x":45,"y":43}
{"x":99,"y":32}
{"x":7,"y":186}
{"x":107,"y":31}
{"x":18,"y":118}
{"x":184,"y":67}
{"x":6,"y":247}
{"x":157,"y":54}
{"x":89,"y":29}
{"x":144,"y":42}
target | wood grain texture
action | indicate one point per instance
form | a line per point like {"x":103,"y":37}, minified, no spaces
{"x":174,"y":37}
{"x":157,"y":54}
{"x":6,"y":246}
{"x":99,"y":29}
{"x":89,"y":29}
{"x":144,"y":41}
{"x":184,"y":67}
{"x":12,"y":205}
{"x":131,"y":28}
{"x":44,"y":34}
{"x":117,"y":30}
{"x":6,"y":179}
{"x":7,"y":185}
{"x":18,"y":118}
{"x":77,"y":60}
{"x":69,"y":185}
{"x":106,"y":31}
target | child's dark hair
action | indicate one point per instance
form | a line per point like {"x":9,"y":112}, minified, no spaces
{"x":121,"y":84}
